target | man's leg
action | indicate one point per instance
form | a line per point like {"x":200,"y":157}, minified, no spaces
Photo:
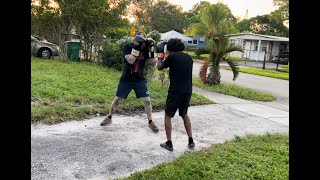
{"x":114,"y":106}
{"x":148,"y":110}
{"x":168,"y":126}
{"x":170,"y":110}
{"x":183,"y":112}
{"x":123,"y":90}
{"x":187,"y":124}
{"x":142,"y":92}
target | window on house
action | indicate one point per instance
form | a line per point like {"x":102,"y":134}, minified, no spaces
{"x":240,"y":42}
{"x":195,"y":41}
{"x":232,"y":42}
{"x":263,"y":49}
{"x":263,"y":46}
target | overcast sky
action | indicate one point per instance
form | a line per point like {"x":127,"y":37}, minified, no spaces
{"x":238,"y":7}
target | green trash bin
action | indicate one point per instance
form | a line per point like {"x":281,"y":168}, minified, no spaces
{"x":73,"y":50}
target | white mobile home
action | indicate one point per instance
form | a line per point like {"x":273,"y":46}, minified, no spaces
{"x":257,"y":46}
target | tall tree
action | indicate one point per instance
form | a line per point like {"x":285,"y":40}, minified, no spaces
{"x":164,"y":16}
{"x":216,"y":20}
{"x":268,"y":25}
{"x":283,"y":8}
{"x":193,"y":15}
{"x":244,"y":25}
{"x":138,"y":9}
{"x":90,"y":18}
{"x":45,"y":21}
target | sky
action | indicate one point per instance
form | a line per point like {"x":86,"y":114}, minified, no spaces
{"x":238,"y":7}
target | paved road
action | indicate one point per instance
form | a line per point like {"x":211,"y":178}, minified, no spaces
{"x":277,"y":87}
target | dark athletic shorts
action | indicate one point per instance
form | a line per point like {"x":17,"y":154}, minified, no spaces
{"x":176,"y":101}
{"x":140,"y":88}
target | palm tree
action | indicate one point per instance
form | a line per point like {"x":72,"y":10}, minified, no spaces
{"x":219,"y":48}
{"x":216,"y":20}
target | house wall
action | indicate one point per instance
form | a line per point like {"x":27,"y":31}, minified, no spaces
{"x":249,"y":50}
{"x":250,"y":47}
{"x":275,"y":49}
{"x":201,"y":42}
{"x":248,"y":44}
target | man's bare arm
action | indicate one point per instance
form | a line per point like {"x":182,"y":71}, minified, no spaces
{"x":160,"y":64}
{"x":130,"y":58}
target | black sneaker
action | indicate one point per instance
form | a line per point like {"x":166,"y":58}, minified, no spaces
{"x":191,"y":144}
{"x":166,"y":146}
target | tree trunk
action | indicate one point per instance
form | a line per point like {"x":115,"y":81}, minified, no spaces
{"x":214,"y":78}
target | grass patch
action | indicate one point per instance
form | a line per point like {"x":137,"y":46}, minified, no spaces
{"x":65,"y":90}
{"x":264,"y":72}
{"x":192,"y":54}
{"x":235,"y":90}
{"x":206,"y":56}
{"x":238,"y":59}
{"x":249,"y":157}
{"x":284,"y":68}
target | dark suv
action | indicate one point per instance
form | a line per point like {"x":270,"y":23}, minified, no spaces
{"x":283,"y":58}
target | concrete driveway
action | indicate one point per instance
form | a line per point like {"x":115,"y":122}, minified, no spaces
{"x":85,"y":150}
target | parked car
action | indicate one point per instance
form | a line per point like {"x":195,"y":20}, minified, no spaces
{"x":283,"y":58}
{"x":43,"y":49}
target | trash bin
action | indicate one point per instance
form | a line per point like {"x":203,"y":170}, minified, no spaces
{"x":73,"y":50}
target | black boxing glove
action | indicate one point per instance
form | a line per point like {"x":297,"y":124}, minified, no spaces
{"x":161,"y":49}
{"x":150,"y":45}
{"x":137,"y":45}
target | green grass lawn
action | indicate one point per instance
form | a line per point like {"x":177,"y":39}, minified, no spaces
{"x":202,"y":56}
{"x":284,"y":68}
{"x":249,"y":157}
{"x":65,"y":90}
{"x":264,"y":72}
{"x":235,"y":90}
{"x":238,"y":59}
{"x":206,"y":56}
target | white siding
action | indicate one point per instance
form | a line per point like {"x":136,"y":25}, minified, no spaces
{"x":275,"y":48}
{"x":247,"y":45}
{"x":250,"y":43}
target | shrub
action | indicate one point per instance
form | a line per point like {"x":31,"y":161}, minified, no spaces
{"x":111,"y":56}
{"x":155,"y":35}
{"x":201,"y":50}
{"x":124,"y":40}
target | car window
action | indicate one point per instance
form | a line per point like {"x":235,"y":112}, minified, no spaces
{"x":37,"y":38}
{"x":33,"y":39}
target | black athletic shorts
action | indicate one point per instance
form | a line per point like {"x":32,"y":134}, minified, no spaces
{"x":140,"y":88}
{"x":176,"y":101}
